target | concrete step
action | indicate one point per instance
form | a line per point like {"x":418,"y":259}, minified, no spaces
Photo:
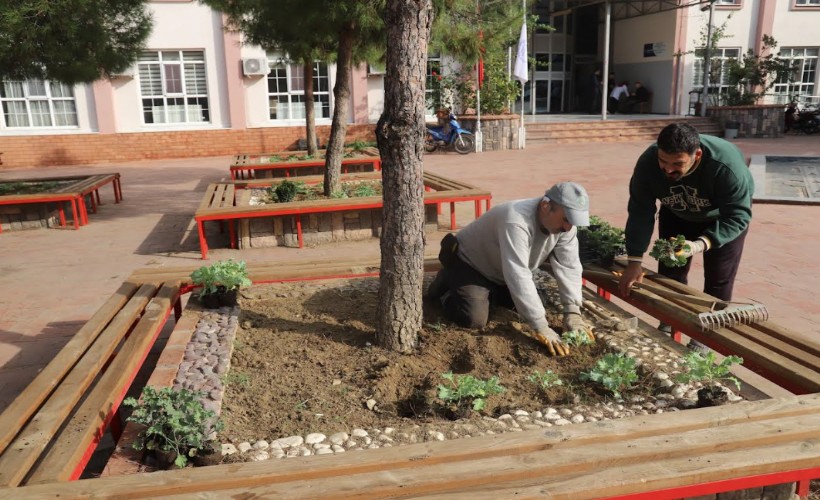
{"x":611,"y":130}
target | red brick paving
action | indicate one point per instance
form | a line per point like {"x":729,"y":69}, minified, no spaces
{"x":54,"y":280}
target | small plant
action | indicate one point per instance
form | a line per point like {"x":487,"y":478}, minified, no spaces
{"x":616,"y":372}
{"x":577,"y":338}
{"x":275,"y":159}
{"x":359,"y":145}
{"x":364,"y":190}
{"x":545,"y":380}
{"x":221,"y":276}
{"x":286,"y":191}
{"x":305,"y":157}
{"x":466,"y":390}
{"x":704,"y":368}
{"x":339,"y":195}
{"x":175,"y":422}
{"x":600,"y":241}
{"x":664,"y":251}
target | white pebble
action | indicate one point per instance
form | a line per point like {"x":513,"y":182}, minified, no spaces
{"x":315,"y":437}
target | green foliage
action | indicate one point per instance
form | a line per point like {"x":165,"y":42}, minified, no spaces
{"x":545,"y":380}
{"x":365,"y":190}
{"x":616,"y":372}
{"x":224,"y":274}
{"x":175,"y":421}
{"x":359,"y":145}
{"x":454,"y":91}
{"x":577,"y":338}
{"x":464,"y":390}
{"x":339,"y":195}
{"x":286,"y":191}
{"x":751,"y":77}
{"x":664,"y":251}
{"x":27,"y":187}
{"x":600,"y":241}
{"x":71,"y":41}
{"x":705,"y":368}
{"x":277,"y":159}
{"x":305,"y":157}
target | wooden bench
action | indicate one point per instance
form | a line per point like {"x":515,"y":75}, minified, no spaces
{"x":50,"y":430}
{"x":249,"y":166}
{"x":219,"y":203}
{"x":91,"y":186}
{"x":766,"y":348}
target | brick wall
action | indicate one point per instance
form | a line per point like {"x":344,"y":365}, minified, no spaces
{"x":84,"y":149}
{"x":497,"y":131}
{"x":760,"y":121}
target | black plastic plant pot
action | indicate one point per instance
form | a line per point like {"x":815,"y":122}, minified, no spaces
{"x":227,"y":298}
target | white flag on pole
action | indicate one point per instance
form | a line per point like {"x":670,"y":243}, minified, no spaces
{"x":520,"y":73}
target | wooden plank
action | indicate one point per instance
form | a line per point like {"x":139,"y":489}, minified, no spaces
{"x":208,"y":197}
{"x":547,"y":455}
{"x":87,"y":423}
{"x":227,"y":198}
{"x":37,"y":434}
{"x":28,"y":401}
{"x":219,"y":194}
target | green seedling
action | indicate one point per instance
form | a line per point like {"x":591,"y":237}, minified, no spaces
{"x":577,"y":338}
{"x":616,"y":372}
{"x":464,"y":390}
{"x":704,"y":368}
{"x":664,"y":251}
{"x":545,"y":380}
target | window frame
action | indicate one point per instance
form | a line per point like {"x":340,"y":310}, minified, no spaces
{"x":783,"y":91}
{"x":321,"y":73}
{"x":48,"y":97}
{"x":175,"y":92}
{"x":722,"y":88}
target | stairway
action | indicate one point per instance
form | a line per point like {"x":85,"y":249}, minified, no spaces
{"x":616,"y":129}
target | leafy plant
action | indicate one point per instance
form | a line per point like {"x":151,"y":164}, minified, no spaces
{"x":616,"y":372}
{"x":751,"y":76}
{"x":464,"y":390}
{"x":275,"y":159}
{"x":664,"y":251}
{"x":359,"y":145}
{"x":600,"y":241}
{"x":305,"y":157}
{"x":704,"y":368}
{"x":223,"y":275}
{"x":174,"y":420}
{"x":545,"y":380}
{"x":364,"y":190}
{"x":576,"y":338}
{"x":286,"y":191}
{"x":337,"y":195}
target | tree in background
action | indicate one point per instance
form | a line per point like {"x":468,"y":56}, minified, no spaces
{"x":400,"y":133}
{"x":71,"y":41}
{"x":751,"y":76}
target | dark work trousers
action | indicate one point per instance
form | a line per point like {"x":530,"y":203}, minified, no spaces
{"x":470,"y":293}
{"x":719,"y":264}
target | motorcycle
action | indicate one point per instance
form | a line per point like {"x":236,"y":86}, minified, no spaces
{"x":804,"y":120}
{"x":460,"y":139}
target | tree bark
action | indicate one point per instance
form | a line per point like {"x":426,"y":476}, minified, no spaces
{"x":310,"y":117}
{"x":400,"y":134}
{"x":341,"y":95}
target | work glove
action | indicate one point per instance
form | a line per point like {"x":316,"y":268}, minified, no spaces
{"x":552,"y":341}
{"x":691,"y":248}
{"x":575,"y":322}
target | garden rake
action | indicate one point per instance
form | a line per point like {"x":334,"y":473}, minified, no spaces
{"x":721,"y":313}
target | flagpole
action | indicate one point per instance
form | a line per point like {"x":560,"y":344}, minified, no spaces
{"x":479,"y":137}
{"x":522,"y":76}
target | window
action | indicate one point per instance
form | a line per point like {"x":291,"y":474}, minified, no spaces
{"x":804,"y":74}
{"x":38,"y":103}
{"x":727,"y":2}
{"x":718,"y":74}
{"x":433,"y":81}
{"x":173,"y":87}
{"x":806,"y":3}
{"x":286,"y":91}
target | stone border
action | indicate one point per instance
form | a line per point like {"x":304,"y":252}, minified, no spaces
{"x":757,"y":167}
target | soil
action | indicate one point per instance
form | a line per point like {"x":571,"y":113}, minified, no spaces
{"x":348,"y":189}
{"x":305,"y":360}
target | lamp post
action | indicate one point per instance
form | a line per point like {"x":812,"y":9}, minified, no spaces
{"x":707,"y":66}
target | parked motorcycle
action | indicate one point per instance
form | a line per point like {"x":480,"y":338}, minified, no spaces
{"x":806,"y":120}
{"x":459,"y":139}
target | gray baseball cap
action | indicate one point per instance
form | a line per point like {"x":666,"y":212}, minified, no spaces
{"x":573,"y":197}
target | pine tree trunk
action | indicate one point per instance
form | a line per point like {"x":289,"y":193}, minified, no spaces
{"x":338,"y":127}
{"x":400,"y":133}
{"x":310,"y":116}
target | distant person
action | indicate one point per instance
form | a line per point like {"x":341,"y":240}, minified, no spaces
{"x":594,"y":92}
{"x":618,"y":94}
{"x":640,"y":95}
{"x":491,"y":262}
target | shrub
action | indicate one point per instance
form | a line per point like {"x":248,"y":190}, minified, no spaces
{"x":616,"y":372}
{"x":600,"y":241}
{"x":286,"y":191}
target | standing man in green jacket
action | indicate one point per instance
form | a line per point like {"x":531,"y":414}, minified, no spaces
{"x":705,"y":190}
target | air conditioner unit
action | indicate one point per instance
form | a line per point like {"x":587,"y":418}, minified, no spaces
{"x":126,"y":73}
{"x":255,"y":66}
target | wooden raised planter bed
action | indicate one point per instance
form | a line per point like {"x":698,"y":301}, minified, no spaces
{"x":321,"y":221}
{"x":667,"y":455}
{"x":49,"y":205}
{"x":287,"y":164}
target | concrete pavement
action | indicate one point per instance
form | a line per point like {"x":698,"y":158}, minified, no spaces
{"x":54,"y":279}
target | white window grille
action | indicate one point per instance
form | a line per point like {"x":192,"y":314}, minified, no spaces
{"x":806,"y":3}
{"x":37,"y":104}
{"x":173,"y":87}
{"x":718,"y":76}
{"x":804,"y":74}
{"x":286,"y":90}
{"x":434,"y":76}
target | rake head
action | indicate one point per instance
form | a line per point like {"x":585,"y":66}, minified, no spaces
{"x":733,"y":315}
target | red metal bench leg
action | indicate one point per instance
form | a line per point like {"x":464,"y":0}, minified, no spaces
{"x":299,"y":231}
{"x":487,"y":205}
{"x":93,"y":204}
{"x":117,"y":190}
{"x":97,"y":195}
{"x":477,"y":209}
{"x":603,"y":293}
{"x":452,"y":215}
{"x":177,"y":309}
{"x":803,"y":488}
{"x":232,"y":233}
{"x":676,"y":336}
{"x":75,"y":211}
{"x":61,"y":209}
{"x":203,"y":243}
{"x":116,"y":426}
